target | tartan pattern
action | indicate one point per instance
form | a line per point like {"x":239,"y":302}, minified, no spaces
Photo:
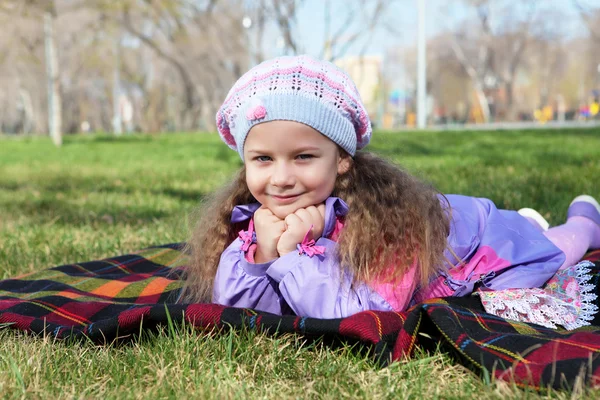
{"x":116,"y":297}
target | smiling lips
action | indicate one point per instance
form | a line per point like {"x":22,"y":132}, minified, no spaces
{"x":285,"y":199}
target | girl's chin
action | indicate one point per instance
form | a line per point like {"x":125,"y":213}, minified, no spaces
{"x":283,"y":211}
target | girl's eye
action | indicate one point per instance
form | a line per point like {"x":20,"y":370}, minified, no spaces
{"x":263,"y":158}
{"x":305,"y":156}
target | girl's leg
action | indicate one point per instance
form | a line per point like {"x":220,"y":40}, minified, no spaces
{"x":581,"y":231}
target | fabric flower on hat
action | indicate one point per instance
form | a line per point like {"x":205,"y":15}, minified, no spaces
{"x":256,"y":112}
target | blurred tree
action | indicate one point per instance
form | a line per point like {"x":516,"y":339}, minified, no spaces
{"x":590,"y":14}
{"x":526,"y":63}
{"x":44,"y":13}
{"x":491,"y":47}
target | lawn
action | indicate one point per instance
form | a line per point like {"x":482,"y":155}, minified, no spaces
{"x":98,"y":196}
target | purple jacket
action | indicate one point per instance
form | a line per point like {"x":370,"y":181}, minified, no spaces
{"x":496,"y":249}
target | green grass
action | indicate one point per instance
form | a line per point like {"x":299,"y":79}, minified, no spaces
{"x":98,"y":197}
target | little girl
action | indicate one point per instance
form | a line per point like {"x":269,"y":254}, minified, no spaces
{"x":314,"y":227}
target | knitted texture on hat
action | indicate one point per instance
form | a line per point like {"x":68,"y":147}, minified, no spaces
{"x":295,"y":88}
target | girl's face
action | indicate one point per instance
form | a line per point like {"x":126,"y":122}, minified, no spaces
{"x":290,"y":166}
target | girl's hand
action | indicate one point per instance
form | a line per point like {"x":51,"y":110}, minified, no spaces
{"x":268,"y":230}
{"x":298,"y":224}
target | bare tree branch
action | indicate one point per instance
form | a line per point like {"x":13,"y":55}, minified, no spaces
{"x":182,"y":71}
{"x":374,"y":20}
{"x":586,"y":15}
{"x":285,"y":16}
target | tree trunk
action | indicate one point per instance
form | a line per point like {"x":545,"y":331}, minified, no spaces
{"x":483,"y":103}
{"x":116,"y":93}
{"x":28,"y":114}
{"x":510,"y":102}
{"x":52,"y":72}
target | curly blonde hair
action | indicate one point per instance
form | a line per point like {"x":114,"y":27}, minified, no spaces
{"x":385,"y":202}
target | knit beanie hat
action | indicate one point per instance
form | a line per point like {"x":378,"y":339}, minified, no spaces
{"x":295,"y":88}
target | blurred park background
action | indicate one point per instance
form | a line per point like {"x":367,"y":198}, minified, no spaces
{"x":69,"y":66}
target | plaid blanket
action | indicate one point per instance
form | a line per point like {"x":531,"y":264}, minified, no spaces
{"x":110,"y":298}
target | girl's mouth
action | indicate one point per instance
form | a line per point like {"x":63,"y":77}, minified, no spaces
{"x":285,"y":199}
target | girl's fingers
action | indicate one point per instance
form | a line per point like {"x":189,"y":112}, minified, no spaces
{"x":281,"y":225}
{"x":315,"y":215}
{"x":266,"y":214}
{"x":264,"y":209}
{"x":263,"y":213}
{"x":304,"y":215}
{"x":321,"y":209}
{"x":310,"y":219}
{"x":318,"y":222}
{"x":292,"y":219}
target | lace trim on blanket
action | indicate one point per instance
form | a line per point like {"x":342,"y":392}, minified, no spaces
{"x":567,"y":300}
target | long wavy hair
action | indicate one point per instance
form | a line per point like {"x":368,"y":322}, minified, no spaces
{"x":394,"y":219}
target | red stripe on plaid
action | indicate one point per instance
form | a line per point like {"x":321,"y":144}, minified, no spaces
{"x":370,"y":326}
{"x":6,"y":304}
{"x":593,"y":256}
{"x":204,"y":315}
{"x":16,"y":320}
{"x":132,"y":319}
{"x":69,"y":314}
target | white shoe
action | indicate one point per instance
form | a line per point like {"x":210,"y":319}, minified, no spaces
{"x":531,"y":214}
{"x":585,"y":206}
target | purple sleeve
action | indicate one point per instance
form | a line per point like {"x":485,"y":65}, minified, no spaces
{"x":316,"y":287}
{"x":239,"y":283}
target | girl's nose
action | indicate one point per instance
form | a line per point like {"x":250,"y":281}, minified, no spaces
{"x":283,"y":175}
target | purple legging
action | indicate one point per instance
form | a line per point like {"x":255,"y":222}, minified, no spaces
{"x":575,"y":237}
